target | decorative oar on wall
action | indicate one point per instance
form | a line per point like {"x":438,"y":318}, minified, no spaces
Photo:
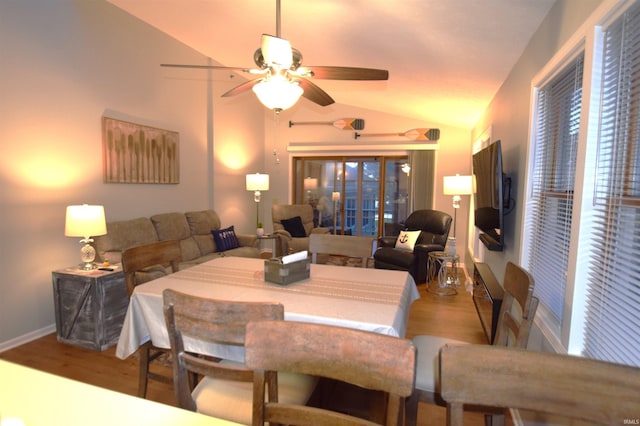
{"x":342,"y":124}
{"x":413,"y":134}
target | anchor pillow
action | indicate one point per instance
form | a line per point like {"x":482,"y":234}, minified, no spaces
{"x":407,"y":240}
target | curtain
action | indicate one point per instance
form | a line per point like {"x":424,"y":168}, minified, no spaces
{"x":421,"y":179}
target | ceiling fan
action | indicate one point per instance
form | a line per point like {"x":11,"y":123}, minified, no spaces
{"x":282,"y":79}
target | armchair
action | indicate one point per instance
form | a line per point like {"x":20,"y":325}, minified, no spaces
{"x":285,"y":216}
{"x":435,"y":231}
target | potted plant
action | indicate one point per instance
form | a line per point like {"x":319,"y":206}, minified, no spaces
{"x":260,"y":230}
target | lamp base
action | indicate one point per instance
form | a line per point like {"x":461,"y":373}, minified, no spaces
{"x":87,"y":255}
{"x":451,"y":246}
{"x":89,"y":266}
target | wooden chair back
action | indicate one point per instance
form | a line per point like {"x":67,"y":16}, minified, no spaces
{"x":213,"y":321}
{"x":343,"y":245}
{"x":574,"y":387}
{"x":369,"y":360}
{"x":137,"y":258}
{"x":518,"y":308}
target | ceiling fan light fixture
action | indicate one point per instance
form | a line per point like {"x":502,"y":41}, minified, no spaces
{"x":278,"y":93}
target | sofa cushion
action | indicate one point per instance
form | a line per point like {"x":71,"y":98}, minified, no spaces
{"x":174,"y":226}
{"x":225,"y":239}
{"x":201,"y":223}
{"x":294,"y":227}
{"x":122,"y":235}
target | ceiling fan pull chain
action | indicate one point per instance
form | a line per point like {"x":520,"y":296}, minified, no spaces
{"x":276,"y":122}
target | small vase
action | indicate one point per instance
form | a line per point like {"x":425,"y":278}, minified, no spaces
{"x":260,"y":232}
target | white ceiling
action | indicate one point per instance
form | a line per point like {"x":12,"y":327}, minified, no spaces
{"x":446,"y":58}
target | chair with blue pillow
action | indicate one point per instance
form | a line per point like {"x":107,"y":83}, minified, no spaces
{"x":424,"y":231}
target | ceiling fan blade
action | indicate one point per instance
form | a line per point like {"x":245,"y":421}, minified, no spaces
{"x":209,"y":67}
{"x":343,"y":73}
{"x":276,"y":51}
{"x":314,"y":93}
{"x":244,"y":87}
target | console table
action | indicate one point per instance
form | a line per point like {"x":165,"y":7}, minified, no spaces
{"x":90,"y":306}
{"x":487,"y":297}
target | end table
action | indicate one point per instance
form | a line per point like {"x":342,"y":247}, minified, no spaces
{"x":272,"y":240}
{"x":90,"y":306}
{"x":443,"y":273}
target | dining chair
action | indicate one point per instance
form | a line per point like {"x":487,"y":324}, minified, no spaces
{"x":226,"y":387}
{"x":573,"y":387}
{"x":365,"y":359}
{"x":513,"y":328}
{"x":141,"y":264}
{"x":342,"y":245}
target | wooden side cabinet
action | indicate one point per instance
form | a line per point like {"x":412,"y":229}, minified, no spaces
{"x":90,"y":306}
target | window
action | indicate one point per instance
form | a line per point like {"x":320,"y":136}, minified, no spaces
{"x":613,"y":298}
{"x":581,"y":238}
{"x":552,"y":180}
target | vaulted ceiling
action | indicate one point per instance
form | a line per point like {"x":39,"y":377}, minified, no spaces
{"x":446,"y":58}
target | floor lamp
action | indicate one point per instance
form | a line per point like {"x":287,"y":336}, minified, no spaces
{"x":456,"y":185}
{"x":335,"y":197}
{"x":257,"y":182}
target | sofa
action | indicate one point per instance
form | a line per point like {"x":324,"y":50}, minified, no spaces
{"x":192,"y":229}
{"x":294,"y":224}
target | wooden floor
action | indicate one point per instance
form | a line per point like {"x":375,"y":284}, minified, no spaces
{"x":447,"y":316}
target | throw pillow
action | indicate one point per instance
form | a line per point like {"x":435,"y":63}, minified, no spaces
{"x":407,"y":240}
{"x":225,"y":239}
{"x":294,"y":227}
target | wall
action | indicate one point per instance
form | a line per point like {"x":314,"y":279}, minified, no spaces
{"x":65,"y":64}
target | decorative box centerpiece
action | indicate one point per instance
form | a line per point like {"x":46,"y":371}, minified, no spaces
{"x":285,"y":270}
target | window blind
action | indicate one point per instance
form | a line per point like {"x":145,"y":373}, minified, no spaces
{"x":550,"y":203}
{"x":613,"y":299}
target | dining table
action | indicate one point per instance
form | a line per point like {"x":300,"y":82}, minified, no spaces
{"x":367,"y":299}
{"x":30,"y":397}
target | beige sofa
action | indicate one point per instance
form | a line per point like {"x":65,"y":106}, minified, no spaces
{"x":192,"y":229}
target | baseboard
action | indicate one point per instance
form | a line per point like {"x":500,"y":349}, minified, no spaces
{"x":468,"y":282}
{"x":515,"y":417}
{"x":26,"y":338}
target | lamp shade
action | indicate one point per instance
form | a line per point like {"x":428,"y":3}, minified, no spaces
{"x":257,"y":182}
{"x":277,"y":92}
{"x":458,"y":185}
{"x":310,"y":184}
{"x":85,"y":221}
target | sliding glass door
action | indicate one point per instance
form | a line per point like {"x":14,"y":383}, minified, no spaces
{"x":354,"y":195}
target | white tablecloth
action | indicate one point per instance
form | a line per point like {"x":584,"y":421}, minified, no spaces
{"x":368,"y":299}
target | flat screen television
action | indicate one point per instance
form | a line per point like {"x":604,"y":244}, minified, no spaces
{"x":489,"y":196}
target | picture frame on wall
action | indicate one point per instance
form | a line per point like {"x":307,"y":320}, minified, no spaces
{"x":136,"y":153}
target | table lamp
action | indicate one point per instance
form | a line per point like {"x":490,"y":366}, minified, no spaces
{"x":257,"y":182}
{"x":456,"y":185}
{"x":85,"y":221}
